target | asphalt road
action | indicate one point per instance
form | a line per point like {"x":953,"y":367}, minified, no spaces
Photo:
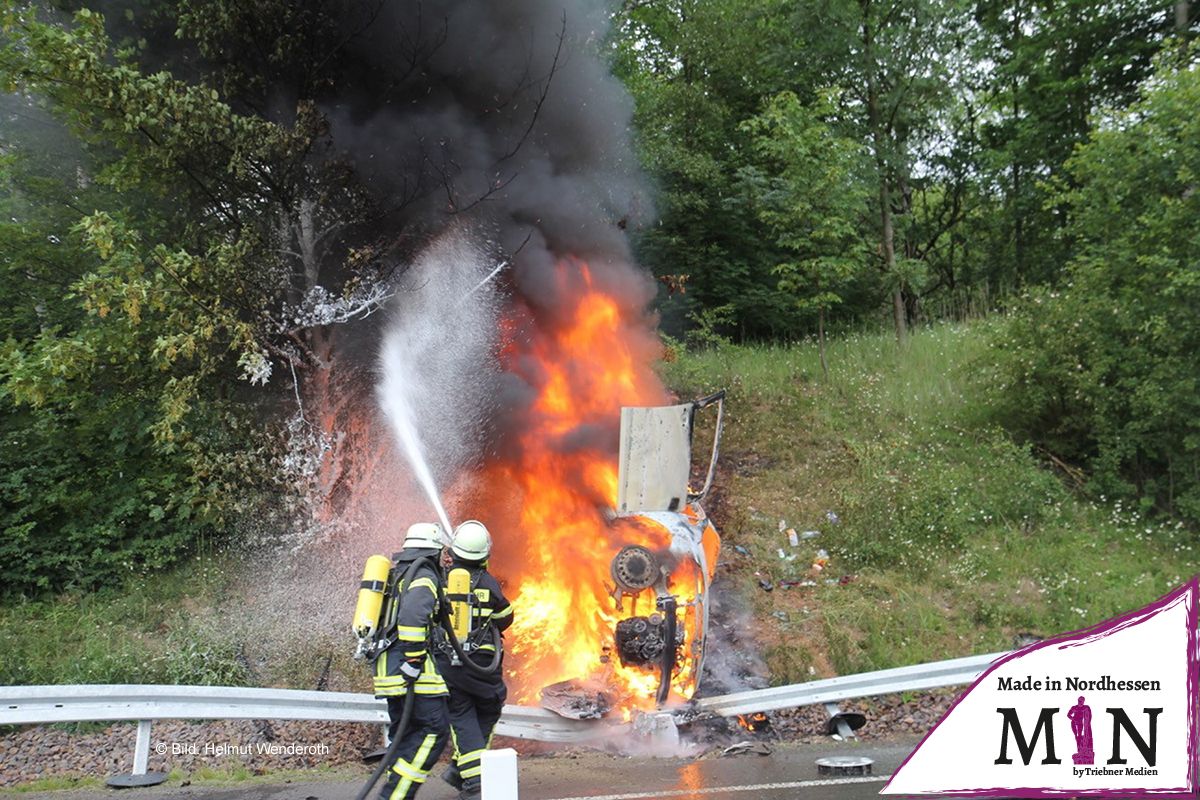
{"x":789,"y":771}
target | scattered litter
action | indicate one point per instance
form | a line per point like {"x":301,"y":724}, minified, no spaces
{"x":765,"y":584}
{"x":787,"y":583}
{"x":782,"y":525}
{"x":832,"y":517}
{"x":740,"y":549}
{"x":742,"y":748}
{"x":577,"y":699}
{"x":1025,"y":639}
{"x":820,"y":561}
{"x":810,"y":534}
{"x":793,"y":537}
{"x":784,"y":556}
{"x":845,"y":579}
{"x":780,"y":615}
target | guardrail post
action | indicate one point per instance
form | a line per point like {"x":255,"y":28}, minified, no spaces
{"x":842,"y":723}
{"x":499,"y":778}
{"x":141,"y":758}
{"x":141,"y":750}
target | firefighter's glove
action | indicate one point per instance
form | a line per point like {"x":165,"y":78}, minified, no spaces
{"x":411,"y":669}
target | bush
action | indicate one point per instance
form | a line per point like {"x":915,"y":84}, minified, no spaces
{"x":920,"y":503}
{"x":87,"y":500}
{"x":1105,"y":372}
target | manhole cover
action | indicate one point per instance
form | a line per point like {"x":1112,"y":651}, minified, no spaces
{"x":129,"y":781}
{"x":844,"y":765}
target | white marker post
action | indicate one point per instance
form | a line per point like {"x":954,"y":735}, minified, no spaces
{"x":499,"y":777}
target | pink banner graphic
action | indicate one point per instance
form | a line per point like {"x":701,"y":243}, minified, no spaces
{"x":1109,"y":711}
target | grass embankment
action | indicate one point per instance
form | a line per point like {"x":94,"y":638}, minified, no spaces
{"x":150,"y":630}
{"x":187,"y":626}
{"x":950,"y":539}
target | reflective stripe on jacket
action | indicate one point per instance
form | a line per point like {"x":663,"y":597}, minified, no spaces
{"x":414,"y":622}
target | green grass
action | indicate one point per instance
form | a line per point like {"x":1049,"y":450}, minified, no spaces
{"x":142,"y":632}
{"x":951,"y":538}
{"x":204,"y":776}
{"x":53,"y":784}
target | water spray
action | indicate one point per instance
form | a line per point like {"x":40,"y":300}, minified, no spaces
{"x":410,"y":442}
{"x":488,"y":279}
{"x":436,"y":360}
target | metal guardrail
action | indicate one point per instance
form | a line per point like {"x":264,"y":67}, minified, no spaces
{"x":954,"y":672}
{"x":23,"y":705}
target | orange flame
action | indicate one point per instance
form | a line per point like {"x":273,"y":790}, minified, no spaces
{"x":753,"y":722}
{"x":561,"y":477}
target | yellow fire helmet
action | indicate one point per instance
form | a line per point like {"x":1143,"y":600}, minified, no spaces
{"x":427,"y":535}
{"x":471,"y":541}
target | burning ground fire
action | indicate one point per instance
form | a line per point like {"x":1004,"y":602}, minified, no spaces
{"x":755,"y":723}
{"x":561,"y":476}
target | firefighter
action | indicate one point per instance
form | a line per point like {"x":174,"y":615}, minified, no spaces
{"x":407,"y":663}
{"x":475,"y":701}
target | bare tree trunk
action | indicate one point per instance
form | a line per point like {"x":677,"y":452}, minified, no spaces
{"x":887,"y":235}
{"x":1181,"y":17}
{"x":821,"y":341}
{"x":306,"y":241}
{"x":888,"y":244}
{"x":1018,"y":209}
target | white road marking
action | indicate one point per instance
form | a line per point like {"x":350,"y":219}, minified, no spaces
{"x":757,"y":787}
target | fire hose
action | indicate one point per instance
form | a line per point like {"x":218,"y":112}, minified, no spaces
{"x":478,"y":670}
{"x":389,"y":755}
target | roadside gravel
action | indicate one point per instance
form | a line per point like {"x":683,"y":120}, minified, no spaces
{"x":31,"y":753}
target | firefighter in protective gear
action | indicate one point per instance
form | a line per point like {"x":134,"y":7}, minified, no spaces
{"x":407,"y":663}
{"x":475,"y":702}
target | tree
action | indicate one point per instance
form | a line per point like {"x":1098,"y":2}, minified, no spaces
{"x":1056,"y":64}
{"x":90,"y":494}
{"x":697,"y":70}
{"x":810,"y":193}
{"x":209,"y":244}
{"x":1105,"y":371}
{"x":263,"y":172}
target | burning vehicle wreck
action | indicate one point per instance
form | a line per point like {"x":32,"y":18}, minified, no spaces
{"x":660,"y":575}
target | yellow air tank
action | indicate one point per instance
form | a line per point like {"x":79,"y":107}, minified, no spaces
{"x":370,"y":596}
{"x":458,"y":592}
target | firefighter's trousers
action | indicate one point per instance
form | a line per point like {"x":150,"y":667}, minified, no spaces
{"x":420,"y":747}
{"x":472,"y":719}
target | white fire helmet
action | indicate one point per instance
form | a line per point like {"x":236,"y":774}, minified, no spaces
{"x":471,"y":541}
{"x":425,"y":535}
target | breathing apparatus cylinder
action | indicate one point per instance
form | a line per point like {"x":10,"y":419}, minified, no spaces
{"x":370,"y":599}
{"x":458,"y":592}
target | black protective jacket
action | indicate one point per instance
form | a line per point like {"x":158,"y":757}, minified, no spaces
{"x":414,"y":622}
{"x":490,"y":610}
